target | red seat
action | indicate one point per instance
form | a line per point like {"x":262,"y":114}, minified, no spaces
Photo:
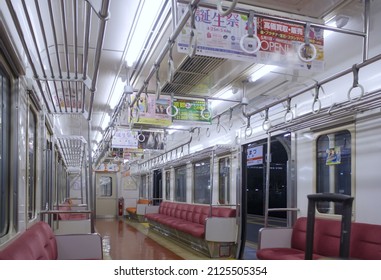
{"x":36,"y":243}
{"x":365,"y":241}
{"x":187,"y":218}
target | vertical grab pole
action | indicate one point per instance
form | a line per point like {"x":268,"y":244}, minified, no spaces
{"x":86,"y":179}
{"x":81,"y":184}
{"x":211,"y":183}
{"x":242,"y":199}
{"x":92,"y":193}
{"x":267,"y":189}
{"x":310,"y":229}
{"x":366,"y":29}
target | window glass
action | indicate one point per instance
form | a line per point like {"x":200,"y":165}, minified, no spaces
{"x":148,"y":187}
{"x":224,"y":181}
{"x":168,"y":185}
{"x":143,"y":186}
{"x":47,"y":174}
{"x":105,"y":186}
{"x":181,"y":184}
{"x":4,"y":152}
{"x":60,"y":180}
{"x":334,"y":157}
{"x":202,"y":182}
{"x":32,"y":145}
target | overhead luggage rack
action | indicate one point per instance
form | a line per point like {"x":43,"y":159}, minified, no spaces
{"x":73,"y":150}
{"x":65,"y":69}
{"x":181,"y":155}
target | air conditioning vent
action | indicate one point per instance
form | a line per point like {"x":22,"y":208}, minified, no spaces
{"x":191,"y":72}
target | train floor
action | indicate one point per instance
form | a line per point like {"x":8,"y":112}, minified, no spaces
{"x":130,"y":240}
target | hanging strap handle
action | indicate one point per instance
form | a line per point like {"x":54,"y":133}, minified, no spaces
{"x":306,"y":51}
{"x":356,"y":84}
{"x":250,"y":42}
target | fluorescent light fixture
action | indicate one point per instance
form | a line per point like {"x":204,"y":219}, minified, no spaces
{"x":99,"y":137}
{"x":117,"y":93}
{"x":226,"y":95}
{"x":222,"y":140}
{"x":173,"y":128}
{"x":261,"y":72}
{"x":105,"y":122}
{"x":328,"y":32}
{"x":196,"y":148}
{"x":146,"y":18}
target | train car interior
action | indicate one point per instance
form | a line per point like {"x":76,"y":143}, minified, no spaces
{"x":190,"y":129}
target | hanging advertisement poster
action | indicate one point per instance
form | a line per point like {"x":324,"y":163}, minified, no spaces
{"x":149,"y":110}
{"x":150,"y":140}
{"x":107,"y":167}
{"x":280,"y":42}
{"x":68,"y":103}
{"x":132,"y":154}
{"x":255,"y":156}
{"x":194,"y":110}
{"x":137,"y":140}
{"x":124,"y":138}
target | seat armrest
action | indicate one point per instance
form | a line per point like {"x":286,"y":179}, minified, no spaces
{"x":221,"y":229}
{"x":79,"y":247}
{"x":274,"y":238}
{"x":151,"y":209}
{"x":141,"y":209}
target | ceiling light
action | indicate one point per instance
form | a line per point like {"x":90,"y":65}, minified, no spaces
{"x":226,"y":95}
{"x":261,"y":72}
{"x":146,"y":18}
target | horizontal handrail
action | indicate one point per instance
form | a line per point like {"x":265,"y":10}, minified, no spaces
{"x":49,"y":212}
{"x":56,"y":212}
{"x":286,"y":209}
{"x":223,"y":205}
{"x":282,"y":209}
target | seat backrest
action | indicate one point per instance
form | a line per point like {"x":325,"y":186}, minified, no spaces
{"x":143,"y":201}
{"x":327,"y":237}
{"x":36,"y":243}
{"x":365,"y":241}
{"x":223,"y":212}
{"x":195,"y":213}
{"x":298,"y":237}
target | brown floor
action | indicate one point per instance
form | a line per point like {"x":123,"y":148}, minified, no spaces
{"x":128,"y":243}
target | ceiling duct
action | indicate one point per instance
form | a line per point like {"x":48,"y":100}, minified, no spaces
{"x":190,"y":73}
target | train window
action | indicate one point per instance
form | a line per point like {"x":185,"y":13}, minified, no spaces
{"x":224,"y":180}
{"x":143,"y":186}
{"x":168,"y":185}
{"x":181,"y":184}
{"x":5,"y":93}
{"x":148,"y":189}
{"x":47,"y":173}
{"x":61,"y":187}
{"x":201,"y":182}
{"x":334,"y":157}
{"x":105,"y":186}
{"x":32,"y":148}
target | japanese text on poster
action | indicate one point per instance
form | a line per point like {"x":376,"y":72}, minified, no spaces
{"x":220,"y":36}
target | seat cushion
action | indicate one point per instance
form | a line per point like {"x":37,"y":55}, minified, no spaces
{"x":283,"y":254}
